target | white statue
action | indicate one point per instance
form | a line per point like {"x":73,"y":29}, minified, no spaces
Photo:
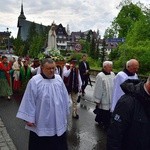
{"x":52,"y":44}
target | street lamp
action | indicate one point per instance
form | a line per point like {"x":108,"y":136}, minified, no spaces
{"x":8,"y":39}
{"x":8,"y":42}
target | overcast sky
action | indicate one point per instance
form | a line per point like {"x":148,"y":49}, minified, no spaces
{"x":79,"y":14}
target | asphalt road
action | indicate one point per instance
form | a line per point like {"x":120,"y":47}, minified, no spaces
{"x":83,"y":134}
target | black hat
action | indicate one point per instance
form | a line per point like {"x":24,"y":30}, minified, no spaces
{"x":73,"y":60}
{"x":36,"y":59}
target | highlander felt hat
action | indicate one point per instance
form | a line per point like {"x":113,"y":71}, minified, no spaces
{"x":73,"y":60}
{"x":35,"y":59}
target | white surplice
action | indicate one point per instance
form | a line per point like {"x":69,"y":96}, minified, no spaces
{"x":103,"y":90}
{"x":117,"y":91}
{"x":45,"y":103}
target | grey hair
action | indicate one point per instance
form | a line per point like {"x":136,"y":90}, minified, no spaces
{"x":130,"y":62}
{"x":105,"y":63}
{"x":47,"y":60}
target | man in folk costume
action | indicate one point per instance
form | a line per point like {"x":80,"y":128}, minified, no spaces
{"x":34,"y":66}
{"x":45,"y":108}
{"x":5,"y":79}
{"x":103,"y":93}
{"x":73,"y":83}
{"x":129,"y":72}
{"x":25,"y":74}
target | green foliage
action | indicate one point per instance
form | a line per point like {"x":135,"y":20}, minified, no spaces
{"x":85,"y":46}
{"x":114,"y":54}
{"x":35,"y":46}
{"x":141,"y":53}
{"x":123,"y":23}
{"x":102,"y":54}
{"x":126,"y":18}
{"x":92,"y":48}
{"x":109,"y":33}
{"x":94,"y":64}
{"x":89,"y":36}
{"x":18,"y":45}
{"x":76,"y":55}
{"x":139,"y":32}
{"x":41,"y":56}
{"x":133,"y":23}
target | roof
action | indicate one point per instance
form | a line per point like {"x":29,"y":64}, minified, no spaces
{"x":24,"y":26}
{"x":4,"y":33}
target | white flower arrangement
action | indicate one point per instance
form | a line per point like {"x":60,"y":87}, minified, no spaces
{"x":56,"y":56}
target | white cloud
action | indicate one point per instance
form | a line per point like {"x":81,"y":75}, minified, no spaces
{"x":79,"y":14}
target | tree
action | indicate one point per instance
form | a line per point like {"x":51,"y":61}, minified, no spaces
{"x":36,"y":46}
{"x":92,"y":47}
{"x":139,"y":31}
{"x":103,"y":51}
{"x":132,"y":23}
{"x":126,"y":19}
{"x":109,"y":33}
{"x":124,"y":22}
{"x":32,"y":32}
{"x":18,"y":45}
{"x":85,"y":46}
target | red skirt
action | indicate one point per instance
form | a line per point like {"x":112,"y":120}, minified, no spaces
{"x":16,"y":85}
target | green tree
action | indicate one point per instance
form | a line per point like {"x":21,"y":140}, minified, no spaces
{"x":92,"y":47}
{"x":103,"y":51}
{"x":140,"y":31}
{"x":85,"y":46}
{"x":124,"y":22}
{"x":36,"y":46}
{"x":109,"y":33}
{"x":18,"y":46}
{"x":126,"y":19}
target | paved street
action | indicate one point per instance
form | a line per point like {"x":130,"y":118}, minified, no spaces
{"x":6,"y":142}
{"x":83,"y":134}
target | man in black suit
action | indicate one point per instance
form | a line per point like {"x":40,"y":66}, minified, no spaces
{"x":84,"y":72}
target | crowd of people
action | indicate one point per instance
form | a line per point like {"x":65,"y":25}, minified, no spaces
{"x":45,"y":105}
{"x":123,"y":107}
{"x":15,"y":74}
{"x":122,"y":101}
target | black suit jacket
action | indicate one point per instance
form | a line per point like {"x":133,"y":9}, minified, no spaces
{"x":83,"y":69}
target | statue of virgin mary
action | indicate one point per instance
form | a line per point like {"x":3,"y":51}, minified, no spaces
{"x":51,"y":39}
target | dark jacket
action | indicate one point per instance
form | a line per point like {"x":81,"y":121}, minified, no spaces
{"x":83,"y":69}
{"x":130,"y":126}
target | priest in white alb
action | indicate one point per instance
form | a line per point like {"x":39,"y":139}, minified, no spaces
{"x":45,"y":108}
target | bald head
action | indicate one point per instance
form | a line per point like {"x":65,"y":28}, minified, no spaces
{"x":132,"y":65}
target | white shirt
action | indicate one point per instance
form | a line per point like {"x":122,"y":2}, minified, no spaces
{"x":46,"y":104}
{"x":66,"y":73}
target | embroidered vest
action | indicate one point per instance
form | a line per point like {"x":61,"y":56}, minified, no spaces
{"x":72,"y":81}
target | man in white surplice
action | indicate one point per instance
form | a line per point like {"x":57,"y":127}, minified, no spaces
{"x":129,"y":72}
{"x":45,"y":108}
{"x":102,"y":94}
